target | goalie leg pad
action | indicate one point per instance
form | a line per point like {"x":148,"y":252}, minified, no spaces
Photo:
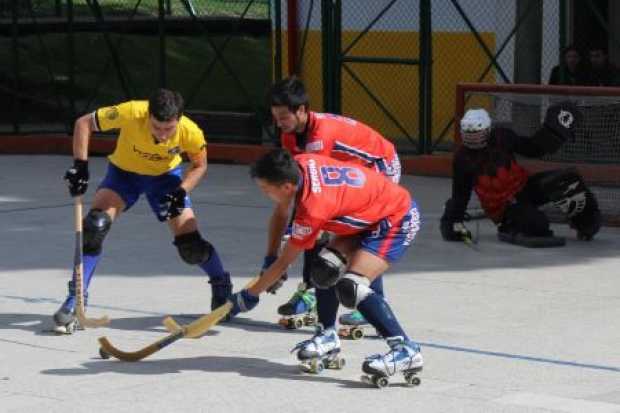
{"x":97,"y":224}
{"x":352,"y":289}
{"x":524,"y":218}
{"x":192,"y":248}
{"x":566,"y":189}
{"x":530,"y":241}
{"x":587,"y":222}
{"x":327,"y":268}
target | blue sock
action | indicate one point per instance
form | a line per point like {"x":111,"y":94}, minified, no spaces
{"x":377,"y":286}
{"x":214,"y":268}
{"x":379,"y":314}
{"x":90,"y":263}
{"x":327,"y":306}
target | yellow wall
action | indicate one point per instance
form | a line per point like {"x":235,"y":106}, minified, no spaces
{"x":457,"y":57}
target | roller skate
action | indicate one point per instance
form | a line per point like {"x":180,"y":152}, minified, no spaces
{"x":352,"y":325}
{"x":300,"y":310}
{"x":404,"y":357}
{"x":221,"y":290}
{"x":320,"y":352}
{"x":65,"y":321}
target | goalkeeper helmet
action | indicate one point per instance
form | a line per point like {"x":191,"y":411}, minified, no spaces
{"x":475,"y":128}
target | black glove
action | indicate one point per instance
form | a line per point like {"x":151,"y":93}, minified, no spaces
{"x":173,"y":203}
{"x":77,"y":177}
{"x":454,"y":231}
{"x":562,"y":119}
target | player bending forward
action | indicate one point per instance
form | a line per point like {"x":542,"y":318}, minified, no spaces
{"x":306,"y":131}
{"x":509,"y":195}
{"x":374,"y":221}
{"x":146,"y":161}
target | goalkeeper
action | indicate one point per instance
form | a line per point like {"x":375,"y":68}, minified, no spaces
{"x":509,"y":195}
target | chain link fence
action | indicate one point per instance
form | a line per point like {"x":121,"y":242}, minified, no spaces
{"x":64,"y":58}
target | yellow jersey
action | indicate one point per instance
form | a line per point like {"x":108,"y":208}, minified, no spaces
{"x":136,"y":149}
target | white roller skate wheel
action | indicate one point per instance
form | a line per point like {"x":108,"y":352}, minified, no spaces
{"x":341,"y":363}
{"x":298,"y":323}
{"x":316,"y":366}
{"x":357,"y":333}
{"x":381,"y":381}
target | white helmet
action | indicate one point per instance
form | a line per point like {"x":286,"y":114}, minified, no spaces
{"x":475,"y":127}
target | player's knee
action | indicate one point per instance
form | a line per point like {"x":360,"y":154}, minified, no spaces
{"x":192,"y":248}
{"x":327,"y":268}
{"x":352,"y":289}
{"x":97,"y":224}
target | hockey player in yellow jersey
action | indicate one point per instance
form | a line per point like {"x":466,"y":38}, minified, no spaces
{"x":147,"y":160}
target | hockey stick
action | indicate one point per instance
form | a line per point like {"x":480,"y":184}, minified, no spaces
{"x":172,"y":325}
{"x":194,"y":329}
{"x":78,"y":270}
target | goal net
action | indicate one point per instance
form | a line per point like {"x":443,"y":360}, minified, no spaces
{"x":595,"y":151}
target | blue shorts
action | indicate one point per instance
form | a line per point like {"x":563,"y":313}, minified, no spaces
{"x":391,"y":242}
{"x":129,"y":186}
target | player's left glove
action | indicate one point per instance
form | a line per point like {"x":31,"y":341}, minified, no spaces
{"x":172,"y":204}
{"x":267,"y":261}
{"x":242,"y":302}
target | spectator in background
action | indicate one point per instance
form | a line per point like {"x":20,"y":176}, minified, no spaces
{"x":574,"y":74}
{"x":602,"y":72}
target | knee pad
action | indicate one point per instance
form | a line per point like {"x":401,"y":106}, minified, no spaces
{"x":566,"y":190}
{"x":192,"y":248}
{"x":352,"y":289}
{"x":97,"y":224}
{"x":327,"y":268}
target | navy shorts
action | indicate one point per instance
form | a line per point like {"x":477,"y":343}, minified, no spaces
{"x":391,"y":241}
{"x":129,"y":186}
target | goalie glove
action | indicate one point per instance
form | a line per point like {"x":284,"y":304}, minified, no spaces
{"x":562,"y":119}
{"x":172,"y":204}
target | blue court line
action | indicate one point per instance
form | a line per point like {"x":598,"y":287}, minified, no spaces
{"x":521,"y":357}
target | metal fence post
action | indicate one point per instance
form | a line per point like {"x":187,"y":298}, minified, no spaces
{"x":425,"y":70}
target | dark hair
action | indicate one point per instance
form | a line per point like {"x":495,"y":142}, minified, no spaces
{"x":289,"y":92}
{"x":276,"y":167}
{"x":570,"y":48}
{"x":166,"y":105}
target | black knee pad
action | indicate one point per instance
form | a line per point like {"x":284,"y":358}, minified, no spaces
{"x":97,"y":224}
{"x":192,"y":248}
{"x":352,"y":289}
{"x":327,"y":268}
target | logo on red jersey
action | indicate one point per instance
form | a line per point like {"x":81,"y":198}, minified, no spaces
{"x":300,"y":231}
{"x":315,"y":182}
{"x":316,"y":146}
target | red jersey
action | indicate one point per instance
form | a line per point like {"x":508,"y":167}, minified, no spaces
{"x":342,"y":138}
{"x":343,"y":198}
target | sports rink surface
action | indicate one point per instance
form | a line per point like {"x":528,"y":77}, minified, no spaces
{"x":503,"y":328}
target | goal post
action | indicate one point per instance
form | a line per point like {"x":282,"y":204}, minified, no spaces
{"x":595,"y":151}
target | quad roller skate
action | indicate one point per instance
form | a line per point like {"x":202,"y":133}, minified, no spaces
{"x":404,"y":357}
{"x":320,"y":352}
{"x":352,"y":325}
{"x":65,"y":321}
{"x":300,"y":310}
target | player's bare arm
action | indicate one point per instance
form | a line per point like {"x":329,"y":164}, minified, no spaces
{"x":82,"y":130}
{"x":277,"y":226}
{"x":274,"y":271}
{"x":196,"y":171}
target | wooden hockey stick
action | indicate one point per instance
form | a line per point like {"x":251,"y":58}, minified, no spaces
{"x":194,"y":329}
{"x":78,"y":269}
{"x":172,"y":325}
